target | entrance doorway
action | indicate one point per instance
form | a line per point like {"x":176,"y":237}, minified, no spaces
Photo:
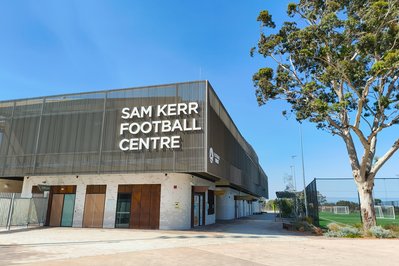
{"x":62,"y":204}
{"x":138,"y":206}
{"x":198,"y":205}
{"x":123,"y":210}
{"x":199,"y":209}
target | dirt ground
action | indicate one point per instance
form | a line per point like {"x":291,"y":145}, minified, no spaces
{"x":256,"y":240}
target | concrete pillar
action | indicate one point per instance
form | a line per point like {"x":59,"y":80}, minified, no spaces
{"x":225,"y":206}
{"x":26,"y":188}
{"x":79,"y":205}
{"x":111,"y":197}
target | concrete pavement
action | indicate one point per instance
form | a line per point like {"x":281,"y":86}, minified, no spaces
{"x":256,"y":240}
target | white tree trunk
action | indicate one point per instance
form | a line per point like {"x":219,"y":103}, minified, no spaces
{"x":367,"y":210}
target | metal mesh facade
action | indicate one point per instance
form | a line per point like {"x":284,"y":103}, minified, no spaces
{"x":79,"y":134}
{"x":76,"y":134}
{"x":238,"y":161}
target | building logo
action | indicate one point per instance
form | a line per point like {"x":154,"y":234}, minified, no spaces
{"x":213,"y":157}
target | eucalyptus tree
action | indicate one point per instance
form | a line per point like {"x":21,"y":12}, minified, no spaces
{"x":337,"y":65}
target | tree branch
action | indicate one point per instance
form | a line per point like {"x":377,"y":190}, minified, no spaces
{"x":385,"y":158}
{"x":361,"y":136}
{"x":350,"y":146}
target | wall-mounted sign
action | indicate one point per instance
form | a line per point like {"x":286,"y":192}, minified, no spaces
{"x":213,"y":156}
{"x":153,"y":128}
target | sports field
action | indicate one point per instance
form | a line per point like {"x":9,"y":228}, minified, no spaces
{"x":350,"y":219}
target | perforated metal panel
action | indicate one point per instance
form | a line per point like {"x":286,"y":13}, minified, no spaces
{"x":79,"y":133}
{"x":238,"y":162}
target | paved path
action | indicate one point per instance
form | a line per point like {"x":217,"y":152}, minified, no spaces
{"x":256,"y":240}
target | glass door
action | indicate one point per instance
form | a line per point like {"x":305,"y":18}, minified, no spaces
{"x":67,"y":210}
{"x":198,"y":209}
{"x":123,"y":210}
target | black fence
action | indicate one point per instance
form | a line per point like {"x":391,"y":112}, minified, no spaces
{"x":336,"y":200}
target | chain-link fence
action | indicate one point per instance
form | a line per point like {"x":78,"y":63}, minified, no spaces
{"x":336,"y":200}
{"x":18,"y":211}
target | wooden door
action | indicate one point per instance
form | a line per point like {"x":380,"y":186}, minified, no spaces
{"x":136,"y":207}
{"x":56,"y":205}
{"x":98,"y":216}
{"x":155,"y":206}
{"x":94,"y":210}
{"x":56,"y":209}
{"x":145,"y":209}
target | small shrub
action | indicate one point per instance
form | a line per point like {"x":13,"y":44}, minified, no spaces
{"x":336,"y":230}
{"x":392,"y":227}
{"x":358,"y":226}
{"x":334,"y":227}
{"x":287,"y":207}
{"x":379,"y":232}
{"x":303,"y":226}
{"x":350,"y":232}
{"x":331,"y":234}
{"x":308,"y":219}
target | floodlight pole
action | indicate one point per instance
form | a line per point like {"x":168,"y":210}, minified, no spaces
{"x":303,"y":173}
{"x":292,"y":175}
{"x":293,"y":170}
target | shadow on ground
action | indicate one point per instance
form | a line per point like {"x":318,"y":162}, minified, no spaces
{"x":261,"y":225}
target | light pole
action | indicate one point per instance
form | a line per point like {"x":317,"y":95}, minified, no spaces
{"x":303,"y":173}
{"x":292,"y":176}
{"x":293,"y":170}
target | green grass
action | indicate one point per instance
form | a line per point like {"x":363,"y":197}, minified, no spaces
{"x":350,"y":219}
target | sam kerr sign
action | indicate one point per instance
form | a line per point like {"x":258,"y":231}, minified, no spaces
{"x":160,"y":128}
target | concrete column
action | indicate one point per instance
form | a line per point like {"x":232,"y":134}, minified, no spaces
{"x":175,"y":212}
{"x":26,"y":188}
{"x":225,"y":206}
{"x":79,"y":205}
{"x":111,"y":197}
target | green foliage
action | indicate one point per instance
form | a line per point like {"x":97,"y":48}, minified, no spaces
{"x":379,"y":232}
{"x":266,"y":19}
{"x":286,"y":207}
{"x":321,"y":199}
{"x":336,"y":230}
{"x":377,"y":201}
{"x":271,"y":205}
{"x":341,"y":50}
{"x":353,"y":206}
{"x":392,"y":227}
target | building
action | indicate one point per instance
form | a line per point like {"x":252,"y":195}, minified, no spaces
{"x":167,"y":157}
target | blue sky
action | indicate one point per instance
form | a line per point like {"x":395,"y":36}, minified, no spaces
{"x":55,"y":47}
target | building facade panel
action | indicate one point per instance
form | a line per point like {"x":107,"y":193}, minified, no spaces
{"x":82,"y":133}
{"x":230,"y":157}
